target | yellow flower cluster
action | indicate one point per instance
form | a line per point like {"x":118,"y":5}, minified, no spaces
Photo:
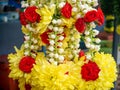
{"x":46,"y":76}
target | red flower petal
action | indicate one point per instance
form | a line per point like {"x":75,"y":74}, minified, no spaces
{"x":23,"y":19}
{"x":44,"y":37}
{"x":66,"y":11}
{"x":100,"y":17}
{"x":31,"y":14}
{"x":80,"y":25}
{"x":91,"y":16}
{"x":90,"y":71}
{"x":26,"y":64}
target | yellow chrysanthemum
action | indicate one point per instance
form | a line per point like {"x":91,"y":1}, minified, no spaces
{"x":107,"y":74}
{"x":14,"y":60}
{"x":46,"y":17}
{"x":68,"y":22}
{"x":51,"y":76}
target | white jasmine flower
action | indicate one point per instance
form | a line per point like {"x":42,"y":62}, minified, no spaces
{"x":55,"y":29}
{"x":87,"y":44}
{"x":85,"y":11}
{"x":51,"y":48}
{"x":74,"y":9}
{"x":28,"y":26}
{"x":71,"y":46}
{"x":54,"y":21}
{"x":60,"y":30}
{"x":26,"y":45}
{"x":70,"y":56}
{"x":53,"y":36}
{"x":55,"y":62}
{"x":60,"y":44}
{"x":92,"y":46}
{"x":27,"y":37}
{"x":35,"y":41}
{"x":74,"y":1}
{"x":56,"y":55}
{"x":92,"y":24}
{"x":78,"y":16}
{"x":95,"y":3}
{"x":33,"y":55}
{"x":61,"y":4}
{"x":61,"y":58}
{"x":97,"y":40}
{"x":51,"y":54}
{"x":52,"y":42}
{"x":88,"y":56}
{"x":95,"y":32}
{"x":51,"y":60}
{"x":59,"y":21}
{"x":61,"y":38}
{"x":89,"y":1}
{"x":75,"y":51}
{"x":72,"y":38}
{"x":32,"y":2}
{"x":88,"y":39}
{"x":36,"y":47}
{"x":32,"y":47}
{"x":97,"y":47}
{"x":52,"y":5}
{"x":77,"y":45}
{"x":61,"y":50}
{"x":87,"y":32}
{"x":26,"y":53}
{"x":24,"y":5}
{"x":50,"y":27}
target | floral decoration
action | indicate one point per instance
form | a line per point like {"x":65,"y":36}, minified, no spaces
{"x":26,"y":64}
{"x":60,"y":26}
{"x":90,"y":71}
{"x":66,"y":10}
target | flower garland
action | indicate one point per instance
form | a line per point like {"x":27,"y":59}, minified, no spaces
{"x":60,"y":26}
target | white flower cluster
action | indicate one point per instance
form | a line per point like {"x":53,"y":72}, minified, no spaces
{"x":74,"y":43}
{"x":55,"y":52}
{"x":30,"y":44}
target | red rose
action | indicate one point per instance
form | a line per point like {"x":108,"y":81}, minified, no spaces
{"x":100,"y":16}
{"x":23,"y":19}
{"x":26,"y":64}
{"x":27,"y":87}
{"x":66,"y":10}
{"x":90,"y":71}
{"x":91,"y":16}
{"x":44,"y":37}
{"x":31,"y":14}
{"x":80,"y":25}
